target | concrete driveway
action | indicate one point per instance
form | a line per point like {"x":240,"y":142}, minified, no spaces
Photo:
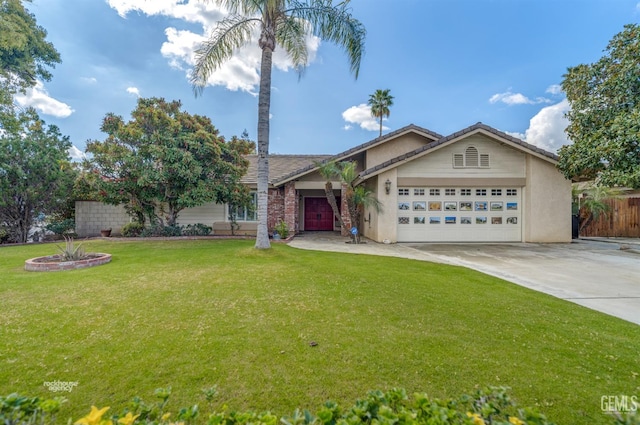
{"x":598,"y":275}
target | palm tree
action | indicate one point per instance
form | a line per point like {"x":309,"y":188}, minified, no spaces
{"x":380,"y":101}
{"x":357,"y":197}
{"x":287,"y":24}
{"x":329,"y":170}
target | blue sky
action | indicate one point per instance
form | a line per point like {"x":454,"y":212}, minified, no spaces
{"x":448,"y":63}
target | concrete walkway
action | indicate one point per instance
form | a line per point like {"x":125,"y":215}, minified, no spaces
{"x":601,"y":274}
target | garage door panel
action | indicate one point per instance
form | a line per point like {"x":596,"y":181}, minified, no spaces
{"x":459,"y":215}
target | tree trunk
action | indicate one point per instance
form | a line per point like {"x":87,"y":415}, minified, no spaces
{"x":328,"y":190}
{"x":264,"y":101}
{"x":380,"y":126}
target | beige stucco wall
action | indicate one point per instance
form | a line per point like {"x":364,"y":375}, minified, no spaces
{"x":396,"y":147}
{"x":383,"y":224}
{"x":547,"y":203}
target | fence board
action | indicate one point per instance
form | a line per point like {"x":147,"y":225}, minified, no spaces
{"x":621,"y":221}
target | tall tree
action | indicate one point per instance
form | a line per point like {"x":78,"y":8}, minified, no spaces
{"x":36,"y":175}
{"x":165,"y":160}
{"x":604,"y":116}
{"x":286,"y":23}
{"x":380,"y":102}
{"x":25,"y":55}
{"x":330,"y":170}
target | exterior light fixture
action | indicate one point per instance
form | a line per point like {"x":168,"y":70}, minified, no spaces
{"x":387,"y":186}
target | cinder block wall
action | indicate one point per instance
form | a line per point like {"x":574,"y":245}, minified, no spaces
{"x":91,"y":217}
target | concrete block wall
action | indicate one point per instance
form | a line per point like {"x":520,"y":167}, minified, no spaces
{"x":92,"y":216}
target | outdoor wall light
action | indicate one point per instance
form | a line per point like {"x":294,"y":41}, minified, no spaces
{"x":387,"y":186}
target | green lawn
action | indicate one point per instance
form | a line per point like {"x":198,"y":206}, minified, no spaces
{"x":192,"y":314}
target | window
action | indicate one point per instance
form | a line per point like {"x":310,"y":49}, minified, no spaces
{"x":450,"y":192}
{"x":418,"y":192}
{"x":481,"y":192}
{"x":471,"y":158}
{"x":512,"y":192}
{"x":465,"y":192}
{"x":403,"y":192}
{"x":434,"y":192}
{"x":496,"y":192}
{"x":246,"y":213}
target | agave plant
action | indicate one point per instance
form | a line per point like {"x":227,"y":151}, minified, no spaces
{"x":70,"y":252}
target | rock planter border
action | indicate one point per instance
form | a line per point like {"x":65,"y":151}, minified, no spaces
{"x":52,"y":263}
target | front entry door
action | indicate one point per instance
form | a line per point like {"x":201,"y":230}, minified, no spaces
{"x":318,"y":214}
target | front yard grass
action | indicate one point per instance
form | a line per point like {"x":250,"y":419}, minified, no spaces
{"x":192,"y":314}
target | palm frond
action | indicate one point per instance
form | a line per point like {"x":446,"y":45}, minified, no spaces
{"x":327,"y":169}
{"x":230,"y":34}
{"x":242,"y":7}
{"x":333,"y":23}
{"x":291,"y":34}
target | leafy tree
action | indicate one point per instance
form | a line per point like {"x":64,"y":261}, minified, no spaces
{"x":163,"y":161}
{"x":604,"y":120}
{"x":380,"y":101}
{"x":286,"y":23}
{"x":36,"y":175}
{"x":24,"y":52}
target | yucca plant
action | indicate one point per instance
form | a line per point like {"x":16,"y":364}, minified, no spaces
{"x":70,"y":252}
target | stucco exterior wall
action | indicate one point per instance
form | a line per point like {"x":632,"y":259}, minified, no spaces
{"x":547,"y":203}
{"x":383,"y":224}
{"x":386,"y":151}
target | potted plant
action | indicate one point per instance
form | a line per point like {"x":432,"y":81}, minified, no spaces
{"x":105,"y":233}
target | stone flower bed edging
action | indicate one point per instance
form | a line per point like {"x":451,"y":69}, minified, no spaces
{"x":52,"y":263}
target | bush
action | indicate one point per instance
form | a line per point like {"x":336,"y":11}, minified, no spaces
{"x":62,"y":227}
{"x":132,"y":230}
{"x":489,"y":406}
{"x":282,"y":229}
{"x":4,"y":235}
{"x":161,"y":231}
{"x":197,"y":229}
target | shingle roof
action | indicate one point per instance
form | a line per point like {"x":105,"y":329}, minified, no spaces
{"x":280,"y":165}
{"x":443,"y":140}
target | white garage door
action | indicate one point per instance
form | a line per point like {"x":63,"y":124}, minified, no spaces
{"x":469,"y":214}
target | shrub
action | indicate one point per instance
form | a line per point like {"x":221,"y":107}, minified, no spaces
{"x":4,"y":235}
{"x":70,"y":252}
{"x":161,"y":231}
{"x":197,"y":229}
{"x":282,"y":229}
{"x":132,"y":230}
{"x":62,"y":227}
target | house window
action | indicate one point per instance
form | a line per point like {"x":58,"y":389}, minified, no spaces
{"x":471,"y":158}
{"x":496,"y":192}
{"x":403,"y":192}
{"x":246,"y":213}
{"x":418,"y":192}
{"x":512,"y":192}
{"x":481,"y":192}
{"x":465,"y":192}
{"x":434,"y":192}
{"x":450,"y":192}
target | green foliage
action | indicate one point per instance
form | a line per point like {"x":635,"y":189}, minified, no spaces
{"x":162,"y":161}
{"x":158,"y":230}
{"x":132,"y":230}
{"x":605,"y":115}
{"x":36,"y":174}
{"x":487,"y":406}
{"x":4,"y":235}
{"x":71,"y":252}
{"x":61,"y":227}
{"x":197,"y":229}
{"x":24,"y":52}
{"x":282,"y":229}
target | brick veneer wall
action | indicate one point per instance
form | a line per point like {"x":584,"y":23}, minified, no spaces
{"x":276,"y":208}
{"x":291,"y":207}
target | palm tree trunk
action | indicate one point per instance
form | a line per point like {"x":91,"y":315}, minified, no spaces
{"x":380,"y":126}
{"x":328,"y":190}
{"x":264,"y":101}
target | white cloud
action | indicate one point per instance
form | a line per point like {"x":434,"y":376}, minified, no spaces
{"x":511,"y":98}
{"x":133,"y":90}
{"x":76,"y":154}
{"x":89,"y":80}
{"x":241,"y":72}
{"x":546,"y":128}
{"x":361,"y":115}
{"x":38,"y":97}
{"x":554,"y":89}
{"x":347,"y":127}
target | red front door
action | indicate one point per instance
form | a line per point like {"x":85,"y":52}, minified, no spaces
{"x":318,"y":214}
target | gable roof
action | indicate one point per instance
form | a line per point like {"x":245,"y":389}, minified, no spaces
{"x":280,"y":165}
{"x":476,"y":128}
{"x":360,"y":148}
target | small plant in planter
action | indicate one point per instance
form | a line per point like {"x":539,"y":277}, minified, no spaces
{"x":281,"y":230}
{"x":70,"y":252}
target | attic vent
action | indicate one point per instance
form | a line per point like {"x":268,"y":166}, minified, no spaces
{"x":471,"y":158}
{"x":484,"y":160}
{"x":458,"y":160}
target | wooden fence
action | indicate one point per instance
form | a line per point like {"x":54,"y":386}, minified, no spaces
{"x":623,"y":220}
